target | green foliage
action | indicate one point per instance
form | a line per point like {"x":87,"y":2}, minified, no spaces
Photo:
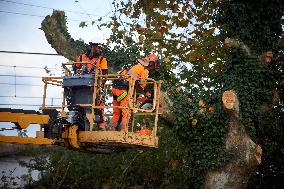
{"x":205,"y":140}
{"x":180,"y":31}
{"x":253,"y":82}
{"x":121,"y":55}
{"x":164,"y":167}
{"x":82,"y":24}
{"x":270,"y":132}
{"x":256,"y":23}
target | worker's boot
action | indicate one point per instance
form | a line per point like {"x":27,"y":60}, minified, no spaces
{"x":112,"y":127}
{"x":122,"y":129}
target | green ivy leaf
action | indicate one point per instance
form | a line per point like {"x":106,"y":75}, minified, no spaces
{"x":82,"y":24}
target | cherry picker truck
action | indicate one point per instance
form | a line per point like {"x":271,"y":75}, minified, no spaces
{"x":73,"y":124}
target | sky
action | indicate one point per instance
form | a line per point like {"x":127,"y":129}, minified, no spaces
{"x":20,"y":21}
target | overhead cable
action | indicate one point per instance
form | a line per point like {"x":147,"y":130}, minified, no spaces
{"x":33,"y":97}
{"x":34,"y":15}
{"x":34,"y":53}
{"x":29,"y":67}
{"x":28,"y":105}
{"x":9,"y":75}
{"x":44,"y":7}
{"x":25,"y":84}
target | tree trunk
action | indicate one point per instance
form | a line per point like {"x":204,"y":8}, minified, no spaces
{"x":246,"y":154}
{"x":57,"y":35}
{"x":166,"y":105}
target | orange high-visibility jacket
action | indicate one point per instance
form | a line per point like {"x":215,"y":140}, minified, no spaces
{"x":138,"y":71}
{"x":98,"y":62}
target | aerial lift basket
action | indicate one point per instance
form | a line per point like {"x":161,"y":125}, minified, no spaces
{"x":73,"y":124}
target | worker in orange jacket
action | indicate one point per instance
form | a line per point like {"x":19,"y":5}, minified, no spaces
{"x":93,"y":56}
{"x":138,"y":71}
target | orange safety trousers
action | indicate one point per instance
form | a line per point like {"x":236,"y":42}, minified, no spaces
{"x":120,"y":112}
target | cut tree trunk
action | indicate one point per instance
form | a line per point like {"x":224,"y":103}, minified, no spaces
{"x":57,"y":35}
{"x":246,"y":154}
{"x":166,"y":105}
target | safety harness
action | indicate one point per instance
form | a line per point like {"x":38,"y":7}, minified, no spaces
{"x":121,"y":96}
{"x":123,"y":84}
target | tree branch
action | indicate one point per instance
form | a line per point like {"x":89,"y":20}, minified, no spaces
{"x":57,"y":35}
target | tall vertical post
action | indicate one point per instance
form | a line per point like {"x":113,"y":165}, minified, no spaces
{"x":15,"y":80}
{"x":157,"y":107}
{"x":92,"y":116}
{"x":63,"y":105}
{"x":44,"y":95}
